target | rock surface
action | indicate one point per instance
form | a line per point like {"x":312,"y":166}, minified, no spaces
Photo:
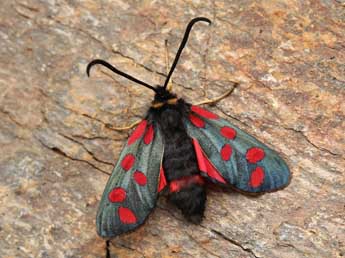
{"x":58,"y":148}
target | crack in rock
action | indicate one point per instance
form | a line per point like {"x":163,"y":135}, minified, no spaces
{"x":87,"y":150}
{"x":209,"y":230}
{"x":234,"y":242}
{"x":48,"y":140}
{"x":322,"y":149}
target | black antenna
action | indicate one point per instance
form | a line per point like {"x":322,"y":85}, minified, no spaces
{"x":183,"y":44}
{"x":115,"y":70}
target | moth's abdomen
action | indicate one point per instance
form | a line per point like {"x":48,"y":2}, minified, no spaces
{"x":179,"y":156}
{"x":191,"y":201}
{"x":186,"y":186}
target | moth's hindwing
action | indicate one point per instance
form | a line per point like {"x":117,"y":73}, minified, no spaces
{"x":132,"y":189}
{"x":227,"y":152}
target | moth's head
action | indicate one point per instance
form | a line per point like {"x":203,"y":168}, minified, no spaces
{"x":162,"y":97}
{"x":162,"y":94}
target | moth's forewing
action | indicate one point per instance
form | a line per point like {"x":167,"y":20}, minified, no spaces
{"x":243,"y":161}
{"x":132,"y":189}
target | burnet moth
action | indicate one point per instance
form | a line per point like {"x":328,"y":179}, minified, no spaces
{"x":177,"y":147}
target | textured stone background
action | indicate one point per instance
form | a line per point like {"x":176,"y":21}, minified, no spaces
{"x":57,"y":145}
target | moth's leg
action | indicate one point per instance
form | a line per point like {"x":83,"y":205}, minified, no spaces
{"x":125,"y":127}
{"x":215,"y":100}
{"x":167,"y":65}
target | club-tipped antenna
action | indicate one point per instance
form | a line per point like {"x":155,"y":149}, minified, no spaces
{"x":183,"y":44}
{"x":115,"y":70}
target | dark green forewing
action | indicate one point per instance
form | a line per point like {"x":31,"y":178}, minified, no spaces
{"x":132,"y":189}
{"x":231,"y":156}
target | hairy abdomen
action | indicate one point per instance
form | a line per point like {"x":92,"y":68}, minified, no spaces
{"x":186,"y":186}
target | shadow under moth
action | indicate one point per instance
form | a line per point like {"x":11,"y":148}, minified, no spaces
{"x":177,"y":148}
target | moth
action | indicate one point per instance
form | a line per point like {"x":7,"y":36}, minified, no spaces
{"x":177,"y":148}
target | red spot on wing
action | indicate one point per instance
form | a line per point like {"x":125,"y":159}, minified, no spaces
{"x":226,"y":152}
{"x":118,"y":194}
{"x":127,"y":216}
{"x":128,"y":162}
{"x":149,"y":135}
{"x":204,"y":113}
{"x":162,"y":180}
{"x":257,"y":177}
{"x":255,"y":154}
{"x":228,"y":132}
{"x":205,"y":165}
{"x":197,"y":121}
{"x":140,"y":178}
{"x":137,"y":133}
